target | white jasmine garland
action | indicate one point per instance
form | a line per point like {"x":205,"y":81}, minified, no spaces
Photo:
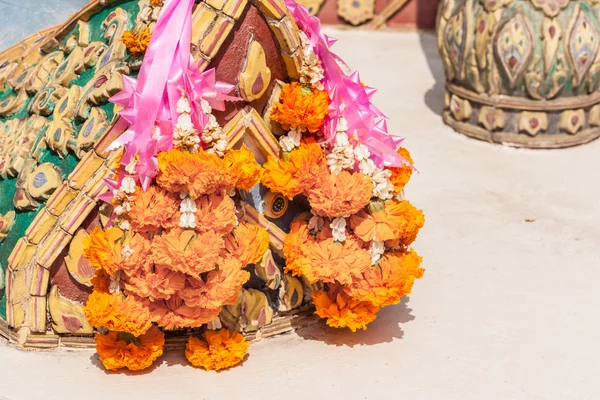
{"x":377,"y":249}
{"x":125,"y":225}
{"x":206,"y":108}
{"x":362,"y":153}
{"x":183,"y":105}
{"x":126,"y":252}
{"x":187,"y":220}
{"x":342,"y":154}
{"x":290,"y":141}
{"x":338,"y":226}
{"x":188,"y":205}
{"x":128,"y":185}
{"x":311,"y":72}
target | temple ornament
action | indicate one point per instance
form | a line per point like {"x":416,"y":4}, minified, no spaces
{"x":524,"y":73}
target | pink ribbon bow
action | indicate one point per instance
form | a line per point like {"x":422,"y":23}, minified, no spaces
{"x":150,"y":101}
{"x":365,"y":121}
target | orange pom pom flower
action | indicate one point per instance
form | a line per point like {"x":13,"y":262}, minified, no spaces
{"x":217,"y":350}
{"x":301,"y":107}
{"x":342,"y":311}
{"x":341,"y":194}
{"x":118,"y":350}
{"x":116,"y":312}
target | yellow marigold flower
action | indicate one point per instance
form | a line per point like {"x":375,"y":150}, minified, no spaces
{"x":342,"y":194}
{"x":242,"y":168}
{"x":117,"y":313}
{"x":389,"y":281}
{"x":300,"y":106}
{"x":392,"y":220}
{"x":218,"y":350}
{"x":196,"y":174}
{"x":330,"y":261}
{"x":136,"y":44}
{"x":153,"y":209}
{"x":156,"y":2}
{"x":175,"y":314}
{"x":248,"y":243}
{"x":290,"y":178}
{"x":118,"y":350}
{"x":401,"y":175}
{"x":186,"y":251}
{"x":218,"y":288}
{"x":216,"y":213}
{"x":342,"y":311}
{"x":298,"y":236}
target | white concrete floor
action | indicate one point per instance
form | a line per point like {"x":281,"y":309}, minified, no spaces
{"x":507,"y":309}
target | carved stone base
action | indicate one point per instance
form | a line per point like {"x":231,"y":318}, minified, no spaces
{"x":521,"y":123}
{"x":523,"y":73}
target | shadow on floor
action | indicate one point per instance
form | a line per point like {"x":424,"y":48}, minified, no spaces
{"x":384,"y":329}
{"x":434,"y":98}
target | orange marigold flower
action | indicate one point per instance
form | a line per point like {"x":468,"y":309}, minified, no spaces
{"x":412,"y":222}
{"x":299,"y":106}
{"x":218,"y":288}
{"x":117,"y":313}
{"x":103,"y":249}
{"x":342,"y":311}
{"x":118,"y":350}
{"x":186,"y":251}
{"x":294,"y":240}
{"x":153,"y":209}
{"x":176,"y":314}
{"x":247,"y":243}
{"x":136,"y":44}
{"x":299,"y":174}
{"x":160,"y":283}
{"x":196,"y":174}
{"x":385,"y":221}
{"x":218,"y":350}
{"x":341,"y":194}
{"x":401,"y":175}
{"x":330,"y":261}
{"x":242,"y":167}
{"x":136,"y":254}
{"x":389,"y":281}
{"x":216,"y":213}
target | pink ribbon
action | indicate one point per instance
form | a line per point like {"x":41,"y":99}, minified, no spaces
{"x":150,"y":101}
{"x":365,"y":121}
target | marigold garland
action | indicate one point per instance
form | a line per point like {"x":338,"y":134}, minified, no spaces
{"x":196,"y":174}
{"x":387,"y":282}
{"x":297,"y":175}
{"x":243,"y":170}
{"x":342,"y":311}
{"x":118,"y":350}
{"x":301,"y":107}
{"x":153,"y":210}
{"x":341,"y":194}
{"x":136,"y":43}
{"x":116,"y":312}
{"x":181,"y":248}
{"x":401,"y":175}
{"x":217,"y":350}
